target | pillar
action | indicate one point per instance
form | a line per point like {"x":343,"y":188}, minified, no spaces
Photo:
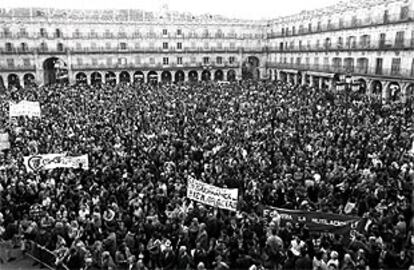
{"x":21,"y":79}
{"x":384,"y":93}
{"x":330,"y":84}
{"x":296,"y":79}
{"x":320,"y":83}
{"x":312,"y":81}
{"x":303,"y":79}
{"x":185,"y":76}
{"x":88,"y":78}
{"x":6,"y":82}
{"x":117,"y":77}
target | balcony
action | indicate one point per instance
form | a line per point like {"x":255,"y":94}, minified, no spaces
{"x":394,"y":18}
{"x":149,"y":66}
{"x":374,"y":45}
{"x":358,"y":70}
{"x":18,"y":68}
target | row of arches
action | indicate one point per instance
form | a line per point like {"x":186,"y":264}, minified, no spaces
{"x":13,"y":80}
{"x":392,"y":90}
{"x":154,"y":76}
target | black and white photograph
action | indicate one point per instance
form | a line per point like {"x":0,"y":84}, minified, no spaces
{"x":207,"y":135}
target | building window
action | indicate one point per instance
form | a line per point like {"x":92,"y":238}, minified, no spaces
{"x":378,"y":67}
{"x":24,"y":47}
{"x":9,"y":47}
{"x":43,"y":46}
{"x":79,"y":61}
{"x":108,"y":45}
{"x":412,"y":68}
{"x":179,"y":32}
{"x":395,"y":66}
{"x":108,"y":33}
{"x":76,"y":34}
{"x":123,"y":46}
{"x":59,"y":47}
{"x":206,"y":45}
{"x":382,"y":40}
{"x":164,"y":32}
{"x":10,"y":62}
{"x":318,"y":44}
{"x":137,"y":46}
{"x":319,"y":28}
{"x":23,"y":32}
{"x":205,"y":33}
{"x":94,"y":62}
{"x":152,"y":60}
{"x":310,"y":28}
{"x":219,"y":60}
{"x":341,"y":23}
{"x":179,"y":45}
{"x":109,"y":61}
{"x":232,"y":59}
{"x":58,"y":33}
{"x":26,"y":62}
{"x":179,"y":60}
{"x":7,"y":33}
{"x":219,"y":45}
{"x":340,"y":42}
{"x":298,"y":60}
{"x":137,"y":60}
{"x":193,"y":59}
{"x":232,"y":45}
{"x":43,"y":33}
{"x":122,"y":61}
{"x":93,"y":46}
{"x":151,"y":45}
{"x":165,"y":45}
{"x":354,"y":21}
{"x":206,"y":60}
{"x":412,"y":39}
{"x":283,"y":31}
{"x":293,"y":30}
{"x":386,"y":16}
{"x":399,"y":39}
{"x":404,"y":13}
{"x":165,"y":60}
{"x":316,"y":61}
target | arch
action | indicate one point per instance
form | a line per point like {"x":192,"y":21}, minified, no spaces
{"x":362,"y":86}
{"x":393,"y":91}
{"x":409,"y":93}
{"x":96,"y":78}
{"x":179,"y":76}
{"x":55,"y":71}
{"x":206,"y":75}
{"x":218,"y":75}
{"x":166,"y":76}
{"x":139,"y":77}
{"x":13,"y":80}
{"x":81,"y":77}
{"x":376,"y":88}
{"x":283,"y":76}
{"x":193,"y":76}
{"x":124,"y":77}
{"x":231,"y":75}
{"x":152,"y":77}
{"x":2,"y":83}
{"x":250,"y":68}
{"x":28,"y":79}
{"x":110,"y":78}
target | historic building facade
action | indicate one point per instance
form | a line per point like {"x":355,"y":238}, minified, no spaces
{"x":372,"y":40}
{"x":45,"y":46}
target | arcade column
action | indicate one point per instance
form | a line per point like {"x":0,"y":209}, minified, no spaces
{"x":303,"y":79}
{"x":21,"y":80}
{"x":312,"y":81}
{"x":320,"y":83}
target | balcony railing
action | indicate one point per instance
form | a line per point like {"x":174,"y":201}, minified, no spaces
{"x":355,"y":70}
{"x":144,"y":66}
{"x":18,"y":68}
{"x":393,"y":18}
{"x":373,"y":46}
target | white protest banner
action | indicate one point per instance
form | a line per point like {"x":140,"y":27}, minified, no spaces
{"x":25,"y":108}
{"x":4,"y":141}
{"x":52,"y":161}
{"x":224,"y":198}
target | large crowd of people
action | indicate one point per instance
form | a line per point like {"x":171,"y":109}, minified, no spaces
{"x":280,"y":145}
